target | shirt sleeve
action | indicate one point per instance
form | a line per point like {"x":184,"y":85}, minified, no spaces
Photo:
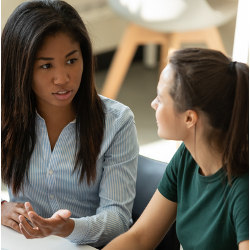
{"x":241,"y":208}
{"x":168,"y":184}
{"x":117,"y":189}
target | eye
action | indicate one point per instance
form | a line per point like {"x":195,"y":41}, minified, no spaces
{"x":71,"y":61}
{"x":46,"y":66}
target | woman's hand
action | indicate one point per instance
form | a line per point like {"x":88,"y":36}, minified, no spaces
{"x":10,"y":212}
{"x":58,"y":224}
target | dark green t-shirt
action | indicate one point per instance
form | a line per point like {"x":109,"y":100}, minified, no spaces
{"x":211,"y":214}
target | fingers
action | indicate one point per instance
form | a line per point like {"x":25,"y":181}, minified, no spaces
{"x":28,"y":230}
{"x":22,"y":211}
{"x":25,"y":223}
{"x":26,"y":235}
{"x":63,"y":213}
{"x":32,"y":216}
{"x":30,"y":227}
{"x":58,"y":224}
{"x":37,"y":220}
{"x":28,"y":207}
{"x":40,"y":226}
{"x":10,"y":212}
{"x":14,"y":225}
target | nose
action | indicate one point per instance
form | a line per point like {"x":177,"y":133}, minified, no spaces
{"x":61,"y":76}
{"x":153,"y":104}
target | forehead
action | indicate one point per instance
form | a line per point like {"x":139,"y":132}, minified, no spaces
{"x":167,"y":77}
{"x":59,"y":40}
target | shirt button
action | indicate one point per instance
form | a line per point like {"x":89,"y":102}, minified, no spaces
{"x":50,"y":172}
{"x":51,"y":196}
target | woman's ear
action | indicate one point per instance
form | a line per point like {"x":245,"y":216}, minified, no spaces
{"x":191,"y":118}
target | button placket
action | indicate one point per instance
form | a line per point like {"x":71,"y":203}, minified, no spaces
{"x":51,"y":181}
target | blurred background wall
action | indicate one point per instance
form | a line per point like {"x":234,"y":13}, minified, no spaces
{"x":105,"y":26}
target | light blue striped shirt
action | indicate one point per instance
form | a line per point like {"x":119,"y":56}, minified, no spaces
{"x":102,"y":210}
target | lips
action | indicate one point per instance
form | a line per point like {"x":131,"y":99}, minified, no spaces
{"x":62,"y":94}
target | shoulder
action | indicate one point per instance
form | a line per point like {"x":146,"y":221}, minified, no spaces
{"x":120,"y":131}
{"x":239,"y":201}
{"x":115,"y":110}
{"x":179,"y":162}
{"x":177,"y":171}
{"x":239,"y":193}
{"x":182,"y":164}
{"x":182,"y":157}
{"x":240,"y":185}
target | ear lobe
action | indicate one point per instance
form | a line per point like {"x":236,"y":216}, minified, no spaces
{"x":191,"y":118}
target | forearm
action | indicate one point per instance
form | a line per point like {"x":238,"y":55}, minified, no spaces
{"x":128,"y":240}
{"x":244,"y":245}
{"x":99,"y":229}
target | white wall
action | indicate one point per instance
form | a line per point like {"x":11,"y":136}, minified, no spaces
{"x":242,"y":33}
{"x":7,"y":7}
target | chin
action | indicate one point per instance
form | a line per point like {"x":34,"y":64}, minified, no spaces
{"x":161,"y":135}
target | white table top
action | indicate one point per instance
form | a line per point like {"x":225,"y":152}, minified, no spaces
{"x":11,"y":240}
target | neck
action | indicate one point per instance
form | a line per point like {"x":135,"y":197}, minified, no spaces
{"x":207,"y":156}
{"x":56,"y":118}
{"x":208,"y":159}
{"x":58,"y":115}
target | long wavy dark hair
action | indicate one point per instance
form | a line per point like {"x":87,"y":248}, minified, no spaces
{"x":22,"y":36}
{"x":208,"y":81}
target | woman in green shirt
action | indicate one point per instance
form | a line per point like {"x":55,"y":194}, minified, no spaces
{"x":202,"y":99}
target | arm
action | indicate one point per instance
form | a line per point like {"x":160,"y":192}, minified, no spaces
{"x":244,"y":245}
{"x":240,"y":211}
{"x":150,"y":228}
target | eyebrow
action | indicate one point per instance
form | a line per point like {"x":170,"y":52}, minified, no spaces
{"x":51,"y":58}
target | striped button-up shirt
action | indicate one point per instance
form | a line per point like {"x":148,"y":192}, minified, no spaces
{"x":101,"y":210}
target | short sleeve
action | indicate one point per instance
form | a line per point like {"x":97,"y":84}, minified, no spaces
{"x":168,"y":184}
{"x":241,"y":208}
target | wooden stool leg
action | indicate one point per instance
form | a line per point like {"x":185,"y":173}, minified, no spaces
{"x":176,"y":40}
{"x":120,"y":64}
{"x":210,"y":36}
{"x":214,"y":41}
{"x":164,"y":55}
{"x":134,"y":35}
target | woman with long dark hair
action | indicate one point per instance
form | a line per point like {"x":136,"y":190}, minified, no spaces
{"x":69,"y":156}
{"x":203,"y":100}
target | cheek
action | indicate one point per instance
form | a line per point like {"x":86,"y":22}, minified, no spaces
{"x":34,"y":86}
{"x":165,"y":120}
{"x":40,"y":80}
{"x":160,"y":112}
{"x":161,"y":118}
{"x":78,"y":76}
{"x":37,"y":86}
